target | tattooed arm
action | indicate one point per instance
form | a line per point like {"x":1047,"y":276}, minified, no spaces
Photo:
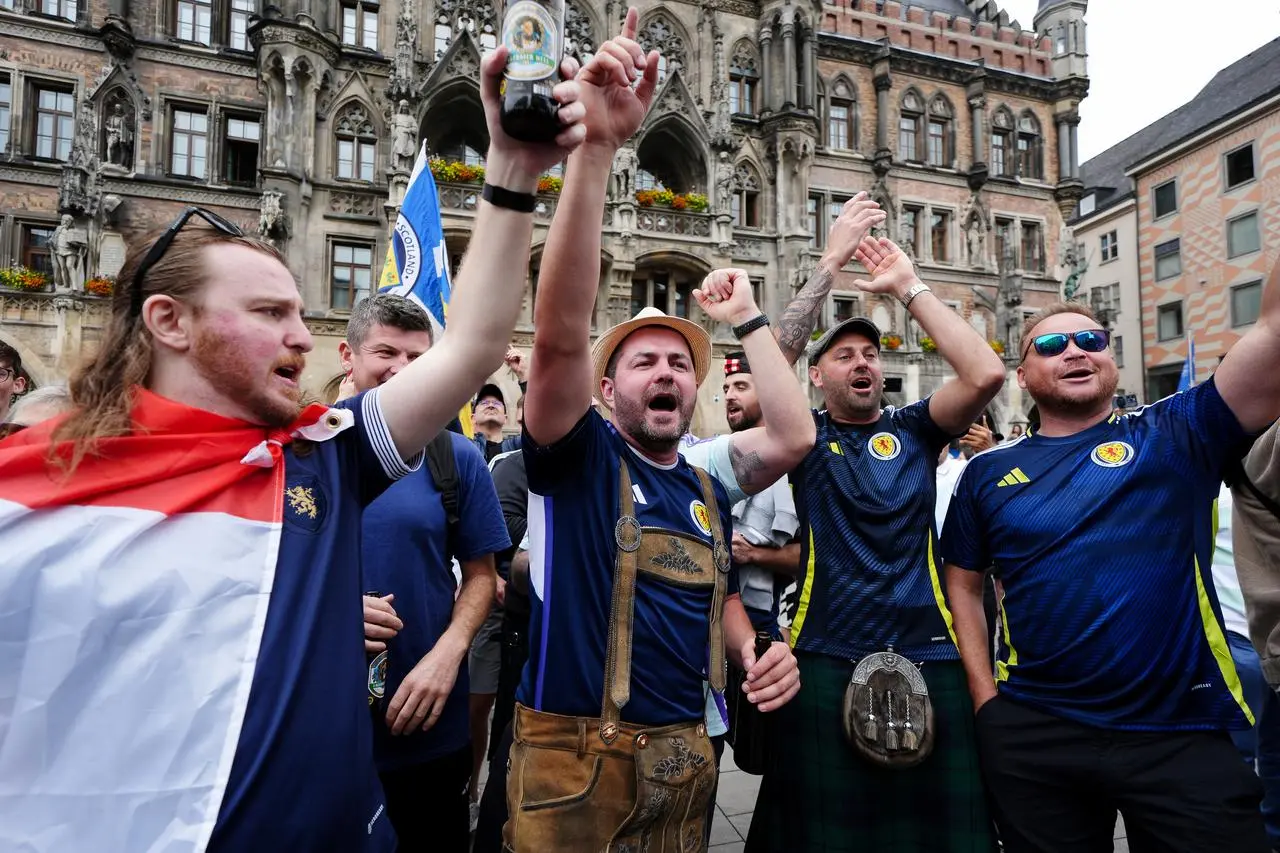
{"x":798,"y":321}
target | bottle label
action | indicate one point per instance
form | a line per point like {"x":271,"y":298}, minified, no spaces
{"x":532,"y":36}
{"x":378,"y":677}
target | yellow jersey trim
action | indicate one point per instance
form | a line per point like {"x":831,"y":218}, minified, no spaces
{"x":1002,"y":668}
{"x":936,"y":580}
{"x":806,"y":594}
{"x":1218,"y":645}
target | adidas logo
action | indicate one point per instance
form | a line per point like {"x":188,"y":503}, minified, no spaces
{"x":1013,"y":478}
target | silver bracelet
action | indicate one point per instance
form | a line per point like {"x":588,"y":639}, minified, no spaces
{"x":916,"y":290}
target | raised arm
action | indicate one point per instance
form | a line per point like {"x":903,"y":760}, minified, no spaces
{"x":1249,"y":377}
{"x":798,"y":320}
{"x":560,"y":378}
{"x":762,"y":454}
{"x":979,"y":371}
{"x":423,"y":397}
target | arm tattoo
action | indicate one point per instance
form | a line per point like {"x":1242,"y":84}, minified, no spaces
{"x":801,"y":316}
{"x":745,"y":465}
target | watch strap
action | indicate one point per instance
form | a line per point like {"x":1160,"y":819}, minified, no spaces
{"x":750,"y":326}
{"x":499,"y":197}
{"x":916,"y":290}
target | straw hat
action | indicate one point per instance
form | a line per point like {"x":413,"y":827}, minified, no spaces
{"x":696,"y":336}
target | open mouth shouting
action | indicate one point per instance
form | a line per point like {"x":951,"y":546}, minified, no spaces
{"x":1078,"y":374}
{"x":290,"y":371}
{"x":862,"y":384}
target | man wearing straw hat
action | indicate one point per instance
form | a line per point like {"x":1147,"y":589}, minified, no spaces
{"x":632,"y":596}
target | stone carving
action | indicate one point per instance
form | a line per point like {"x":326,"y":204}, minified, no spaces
{"x":579,"y":38}
{"x":663,"y":36}
{"x":84,"y":148}
{"x":404,"y":129}
{"x":474,"y":16}
{"x":118,"y":132}
{"x":805,"y":265}
{"x":400,"y":85}
{"x":69,"y":246}
{"x":625,"y":165}
{"x":271,"y":219}
{"x":352,"y":204}
{"x":724,"y":184}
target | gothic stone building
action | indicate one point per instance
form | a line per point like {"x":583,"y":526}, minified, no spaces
{"x":282,"y":118}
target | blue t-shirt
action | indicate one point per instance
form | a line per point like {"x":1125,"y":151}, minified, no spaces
{"x":573,"y":510}
{"x":405,"y":553}
{"x":865,"y":496}
{"x":303,"y":777}
{"x":1104,"y":543}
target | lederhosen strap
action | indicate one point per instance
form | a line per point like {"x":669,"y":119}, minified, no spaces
{"x":629,"y":536}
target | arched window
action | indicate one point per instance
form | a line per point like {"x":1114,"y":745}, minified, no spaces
{"x":1002,"y":159}
{"x":454,"y":127}
{"x":357,"y":144}
{"x":660,"y":34}
{"x":910,"y":120}
{"x":940,"y":150}
{"x":745,"y":204}
{"x":842,"y":116}
{"x":579,"y":38}
{"x":744,"y":76}
{"x":1030,"y":151}
{"x":470,"y":16}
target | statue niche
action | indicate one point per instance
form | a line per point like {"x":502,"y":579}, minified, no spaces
{"x":118,"y":131}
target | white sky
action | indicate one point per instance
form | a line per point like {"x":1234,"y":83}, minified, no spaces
{"x":1149,"y":57}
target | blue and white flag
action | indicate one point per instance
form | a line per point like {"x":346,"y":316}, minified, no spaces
{"x":417,"y":265}
{"x":1188,"y":377}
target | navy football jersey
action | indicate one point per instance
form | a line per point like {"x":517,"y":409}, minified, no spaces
{"x":865,"y":496}
{"x":1104,"y":543}
{"x":573,"y":510}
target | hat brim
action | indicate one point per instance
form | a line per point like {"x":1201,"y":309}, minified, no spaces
{"x":695,"y":336}
{"x":852,"y":326}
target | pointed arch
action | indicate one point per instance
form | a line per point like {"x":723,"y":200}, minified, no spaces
{"x":454,"y":17}
{"x":356,"y":132}
{"x":940,"y":132}
{"x":911,"y":113}
{"x":1003,"y":160}
{"x":1030,"y":144}
{"x":747,"y":203}
{"x":453,"y":123}
{"x":841,"y":110}
{"x":660,"y":29}
{"x":673,"y":151}
{"x":744,"y":78}
{"x":581,"y":31}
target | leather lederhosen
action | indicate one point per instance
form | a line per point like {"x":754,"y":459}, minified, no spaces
{"x":592,"y":785}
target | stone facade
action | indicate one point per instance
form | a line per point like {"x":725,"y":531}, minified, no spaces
{"x":283,"y":118}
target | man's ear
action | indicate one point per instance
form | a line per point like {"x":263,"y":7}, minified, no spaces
{"x":815,"y":376}
{"x":19,"y":384}
{"x":606,"y":391}
{"x":345,"y":356}
{"x":1022,"y":378}
{"x":169,"y":321}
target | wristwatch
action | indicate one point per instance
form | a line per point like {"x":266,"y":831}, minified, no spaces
{"x":511,"y":200}
{"x":750,"y":326}
{"x":916,"y":289}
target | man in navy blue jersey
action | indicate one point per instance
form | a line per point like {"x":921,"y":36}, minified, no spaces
{"x":871,"y":604}
{"x":1114,"y":687}
{"x":633,"y":598}
{"x":421,"y":740}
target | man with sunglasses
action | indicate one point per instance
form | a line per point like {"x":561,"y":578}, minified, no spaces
{"x":1114,"y":687}
{"x":183,"y":666}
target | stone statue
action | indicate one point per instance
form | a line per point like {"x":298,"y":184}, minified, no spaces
{"x":401,"y":82}
{"x":724,"y":184}
{"x":404,"y":130}
{"x":68,"y":245}
{"x":976,"y":238}
{"x":119,"y":146}
{"x":805,"y":265}
{"x":84,"y":148}
{"x":271,"y":214}
{"x":625,"y":164}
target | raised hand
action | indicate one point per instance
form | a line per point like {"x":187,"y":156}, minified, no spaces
{"x":891,"y":270}
{"x":859,"y":216}
{"x":518,"y":362}
{"x":726,"y":297}
{"x":615,"y":104}
{"x":516,"y":165}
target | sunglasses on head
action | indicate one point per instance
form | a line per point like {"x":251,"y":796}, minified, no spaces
{"x":160,"y":246}
{"x":1055,"y":343}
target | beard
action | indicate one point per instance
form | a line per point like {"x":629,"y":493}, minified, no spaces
{"x":231,"y":374}
{"x":740,"y":419}
{"x":632,"y":418}
{"x":1071,"y":401}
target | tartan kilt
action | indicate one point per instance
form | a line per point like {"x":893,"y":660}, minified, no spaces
{"x":820,"y":796}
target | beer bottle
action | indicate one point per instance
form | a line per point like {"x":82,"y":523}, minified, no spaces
{"x":533,"y":31}
{"x":750,"y":726}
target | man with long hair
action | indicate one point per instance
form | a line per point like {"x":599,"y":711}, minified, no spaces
{"x":183,"y":663}
{"x":1114,"y":687}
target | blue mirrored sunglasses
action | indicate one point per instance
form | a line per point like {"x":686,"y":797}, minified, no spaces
{"x":1055,"y":343}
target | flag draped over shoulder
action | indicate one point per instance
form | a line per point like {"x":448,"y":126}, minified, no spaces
{"x":417,"y":264}
{"x":1188,"y":377}
{"x":133,"y":596}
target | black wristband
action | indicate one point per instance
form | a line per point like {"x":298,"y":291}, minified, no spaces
{"x":499,"y":197}
{"x":750,"y":326}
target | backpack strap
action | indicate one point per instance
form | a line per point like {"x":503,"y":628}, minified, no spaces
{"x":443,"y":466}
